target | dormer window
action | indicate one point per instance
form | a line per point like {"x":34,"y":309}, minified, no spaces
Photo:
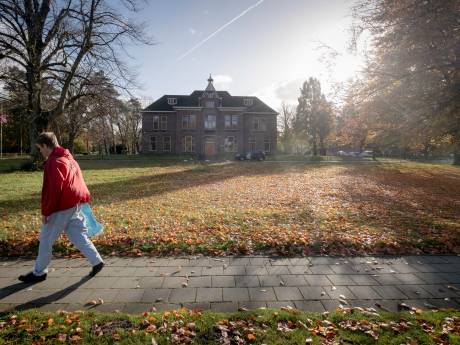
{"x":172,"y":101}
{"x":248,"y":102}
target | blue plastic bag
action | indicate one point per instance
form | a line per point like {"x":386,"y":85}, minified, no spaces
{"x":94,"y":227}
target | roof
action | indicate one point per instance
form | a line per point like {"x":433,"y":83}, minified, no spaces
{"x":192,"y":100}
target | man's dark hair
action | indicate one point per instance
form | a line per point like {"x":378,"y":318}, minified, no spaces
{"x":48,"y":139}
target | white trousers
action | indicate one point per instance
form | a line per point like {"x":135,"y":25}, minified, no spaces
{"x":72,"y":222}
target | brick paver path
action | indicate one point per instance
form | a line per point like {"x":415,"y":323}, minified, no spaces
{"x":135,"y":285}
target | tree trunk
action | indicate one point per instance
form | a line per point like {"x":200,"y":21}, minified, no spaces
{"x":457,"y":151}
{"x":457,"y":157}
{"x":70,"y":144}
{"x":314,"y":145}
{"x":37,"y":126}
{"x":322,"y":149}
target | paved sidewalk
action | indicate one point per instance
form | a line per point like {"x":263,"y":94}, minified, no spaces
{"x":317,"y":284}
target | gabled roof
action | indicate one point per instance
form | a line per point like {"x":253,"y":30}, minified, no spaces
{"x":192,"y":100}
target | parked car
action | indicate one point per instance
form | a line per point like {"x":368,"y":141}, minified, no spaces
{"x":342,"y":153}
{"x":257,"y":155}
{"x":366,"y":154}
{"x":240,"y":156}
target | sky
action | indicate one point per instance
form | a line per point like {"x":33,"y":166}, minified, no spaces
{"x":263,"y":48}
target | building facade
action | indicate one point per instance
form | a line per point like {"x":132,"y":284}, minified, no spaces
{"x":208,"y":123}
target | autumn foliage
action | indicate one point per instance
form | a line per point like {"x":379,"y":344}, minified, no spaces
{"x":243,"y":208}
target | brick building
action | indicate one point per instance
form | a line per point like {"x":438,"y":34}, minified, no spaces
{"x":208,"y":123}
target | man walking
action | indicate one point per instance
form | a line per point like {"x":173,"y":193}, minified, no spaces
{"x":63,"y":192}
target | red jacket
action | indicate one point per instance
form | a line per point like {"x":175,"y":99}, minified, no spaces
{"x":63,"y":184}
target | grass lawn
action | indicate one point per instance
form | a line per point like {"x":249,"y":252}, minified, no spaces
{"x":153,"y":208}
{"x":349,"y":326}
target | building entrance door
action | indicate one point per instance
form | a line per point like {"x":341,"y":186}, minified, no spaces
{"x":210,"y":147}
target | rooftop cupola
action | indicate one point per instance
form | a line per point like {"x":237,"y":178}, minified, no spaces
{"x":210,"y":91}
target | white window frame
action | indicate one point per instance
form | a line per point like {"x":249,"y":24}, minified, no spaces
{"x":206,"y":122}
{"x":151,"y":149}
{"x":172,"y":101}
{"x":164,"y":140}
{"x":232,"y":124}
{"x":191,"y":138}
{"x":234,"y":147}
{"x":156,"y":120}
{"x":164,"y":121}
{"x":188,"y":122}
{"x":248,"y":102}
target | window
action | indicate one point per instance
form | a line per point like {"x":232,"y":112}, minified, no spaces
{"x":164,"y":123}
{"x":209,"y":104}
{"x":172,"y":101}
{"x":153,"y":143}
{"x":252,"y":144}
{"x":188,"y":121}
{"x":267,"y":145}
{"x":189,"y":143}
{"x":167,"y":144}
{"x":256,"y":124}
{"x":235,"y":120}
{"x":210,"y":122}
{"x":248,"y":102}
{"x":259,"y":125}
{"x":230,"y":144}
{"x":156,"y":122}
{"x":231,"y":121}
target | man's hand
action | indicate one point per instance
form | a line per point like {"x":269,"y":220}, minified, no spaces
{"x":44,"y":220}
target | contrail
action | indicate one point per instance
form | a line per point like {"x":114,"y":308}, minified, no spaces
{"x":219,"y":30}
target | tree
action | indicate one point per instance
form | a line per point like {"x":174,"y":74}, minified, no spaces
{"x":354,"y":121}
{"x":324,"y":123}
{"x":287,"y":131}
{"x":413,"y":72}
{"x":134,"y":124}
{"x":314,"y":115}
{"x":58,"y":42}
{"x":95,"y":91}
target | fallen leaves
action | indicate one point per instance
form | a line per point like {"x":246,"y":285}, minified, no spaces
{"x":95,"y":302}
{"x":275,"y":208}
{"x":185,"y":326}
{"x":235,"y":331}
{"x":110,"y":327}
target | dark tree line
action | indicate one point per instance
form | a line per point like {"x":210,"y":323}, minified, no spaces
{"x":62,"y":45}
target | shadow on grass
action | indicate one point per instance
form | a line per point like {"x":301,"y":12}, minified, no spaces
{"x":156,"y":184}
{"x":419,"y":210}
